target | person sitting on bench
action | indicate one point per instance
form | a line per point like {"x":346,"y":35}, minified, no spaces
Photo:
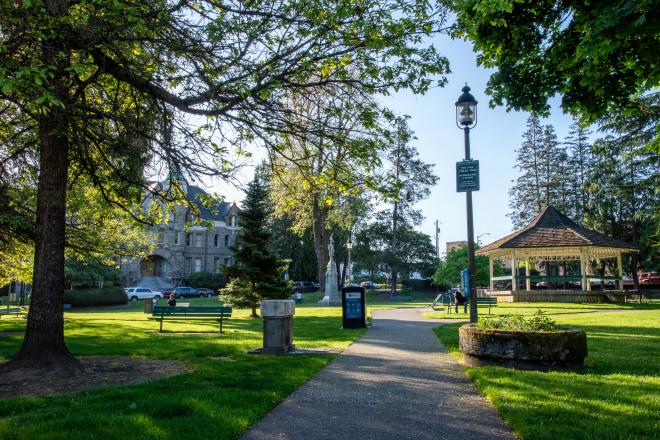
{"x":172,"y":301}
{"x":460,"y":299}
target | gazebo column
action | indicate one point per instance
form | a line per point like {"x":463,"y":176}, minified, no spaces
{"x":583,"y":271}
{"x":619,"y":265}
{"x":588,"y":265}
{"x":514,"y":275}
{"x":490,"y":264}
{"x":528,"y":281}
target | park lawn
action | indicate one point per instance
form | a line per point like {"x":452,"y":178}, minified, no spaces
{"x":617,"y":395}
{"x":531,"y":308}
{"x":227,"y":391}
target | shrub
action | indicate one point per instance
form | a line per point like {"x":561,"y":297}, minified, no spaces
{"x":539,"y":321}
{"x":417,"y":285}
{"x":109,"y":296}
{"x":207,"y":280}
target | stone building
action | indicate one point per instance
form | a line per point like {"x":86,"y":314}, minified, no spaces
{"x":178,"y":251}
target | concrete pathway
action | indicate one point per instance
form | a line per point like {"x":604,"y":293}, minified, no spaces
{"x":396,"y":382}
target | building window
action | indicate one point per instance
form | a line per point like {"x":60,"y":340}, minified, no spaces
{"x":233,"y":220}
{"x":198,"y":240}
{"x":161,"y":236}
{"x":188,"y":264}
{"x":216,"y":240}
{"x":198,"y":264}
{"x":226,"y":240}
{"x":177,"y":237}
{"x":216,"y":265}
{"x":188,"y":239}
{"x":226,"y":261}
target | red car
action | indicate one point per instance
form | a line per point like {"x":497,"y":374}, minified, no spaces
{"x":649,"y":278}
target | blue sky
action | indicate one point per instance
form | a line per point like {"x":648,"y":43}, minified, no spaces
{"x":439,"y":141}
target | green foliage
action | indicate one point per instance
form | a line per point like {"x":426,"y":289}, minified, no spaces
{"x":449,"y":270}
{"x":539,"y":321}
{"x":108,"y":296}
{"x":418,"y":285}
{"x":597,"y":55}
{"x":85,"y":275}
{"x":207,"y":280}
{"x":258,"y":272}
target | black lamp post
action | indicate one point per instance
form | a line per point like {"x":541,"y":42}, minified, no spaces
{"x":466,"y":118}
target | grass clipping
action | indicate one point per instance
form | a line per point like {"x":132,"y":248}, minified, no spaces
{"x":538,"y":322}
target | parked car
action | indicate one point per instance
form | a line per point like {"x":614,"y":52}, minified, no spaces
{"x":135,"y":293}
{"x":185,"y":292}
{"x":206,"y":292}
{"x":649,"y":278}
{"x":368,"y":284}
{"x":304,"y":286}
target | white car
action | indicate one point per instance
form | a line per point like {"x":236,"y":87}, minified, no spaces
{"x":135,"y":293}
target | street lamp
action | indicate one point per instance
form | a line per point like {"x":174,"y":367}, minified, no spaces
{"x":349,"y":247}
{"x":466,"y":118}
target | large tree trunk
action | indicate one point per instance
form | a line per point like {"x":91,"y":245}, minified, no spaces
{"x":393,"y":268}
{"x":321,"y":241}
{"x":43,"y":346}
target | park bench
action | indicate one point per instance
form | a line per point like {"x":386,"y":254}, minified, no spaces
{"x":10,"y":311}
{"x":481,"y":301}
{"x":220,"y":313}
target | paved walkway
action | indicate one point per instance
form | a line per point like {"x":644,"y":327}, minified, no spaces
{"x":396,"y":382}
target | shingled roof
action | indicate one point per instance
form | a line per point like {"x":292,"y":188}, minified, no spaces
{"x":551,"y":228}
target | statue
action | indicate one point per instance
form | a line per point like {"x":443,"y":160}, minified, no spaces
{"x":331,"y":249}
{"x":331,"y":297}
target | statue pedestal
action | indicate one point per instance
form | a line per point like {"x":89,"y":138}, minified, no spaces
{"x":331,"y":297}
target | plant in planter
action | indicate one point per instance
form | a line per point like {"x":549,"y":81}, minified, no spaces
{"x":526,"y":342}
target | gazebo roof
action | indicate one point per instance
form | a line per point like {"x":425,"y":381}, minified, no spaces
{"x":552,"y":229}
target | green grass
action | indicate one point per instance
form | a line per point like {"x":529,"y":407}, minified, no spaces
{"x":617,"y":395}
{"x":226,"y":392}
{"x":531,"y":308}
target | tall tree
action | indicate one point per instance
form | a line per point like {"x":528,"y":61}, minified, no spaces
{"x":105,"y":91}
{"x":597,"y":55}
{"x":623,"y":185}
{"x":258,"y":272}
{"x":319,"y":181}
{"x":408,"y":181}
{"x":579,"y":168}
{"x":525,"y":196}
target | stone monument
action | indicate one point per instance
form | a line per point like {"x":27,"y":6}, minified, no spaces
{"x":331,"y":297}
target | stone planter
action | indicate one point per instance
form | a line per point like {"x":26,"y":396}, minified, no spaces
{"x":566,"y":347}
{"x":278,"y":326}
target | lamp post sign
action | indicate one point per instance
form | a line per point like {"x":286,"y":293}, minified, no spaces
{"x":467,"y":175}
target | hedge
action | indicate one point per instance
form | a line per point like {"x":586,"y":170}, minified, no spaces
{"x":417,"y":284}
{"x":108,"y":296}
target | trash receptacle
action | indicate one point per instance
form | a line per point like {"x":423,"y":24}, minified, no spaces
{"x":354,"y":307}
{"x":149,"y":305}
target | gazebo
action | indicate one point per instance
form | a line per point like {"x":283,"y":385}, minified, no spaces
{"x":551,"y":236}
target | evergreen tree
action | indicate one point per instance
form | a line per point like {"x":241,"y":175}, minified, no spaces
{"x":410,"y":180}
{"x":258,"y":272}
{"x":526,"y":196}
{"x":580,"y":163}
{"x":623,"y":185}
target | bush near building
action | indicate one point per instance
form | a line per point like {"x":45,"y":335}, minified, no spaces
{"x":108,"y":296}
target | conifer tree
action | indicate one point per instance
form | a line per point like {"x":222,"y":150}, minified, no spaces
{"x":580,"y":162}
{"x":257,"y":274}
{"x":525,"y":197}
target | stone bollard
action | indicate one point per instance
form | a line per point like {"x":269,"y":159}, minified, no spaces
{"x":278,"y":326}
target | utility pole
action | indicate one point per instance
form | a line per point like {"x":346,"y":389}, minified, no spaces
{"x":437,"y":241}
